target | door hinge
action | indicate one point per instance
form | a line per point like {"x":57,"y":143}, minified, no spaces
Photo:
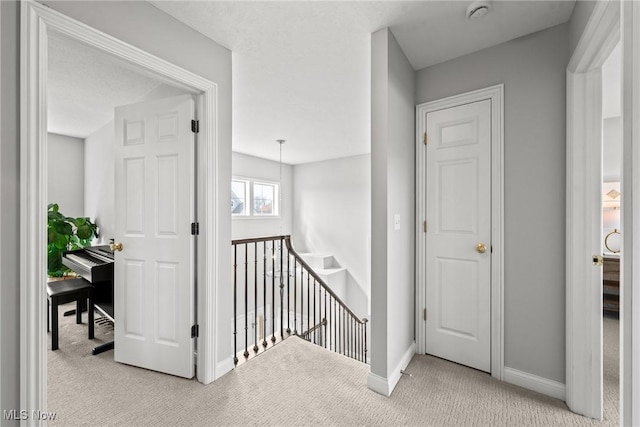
{"x":195,"y":228}
{"x":195,"y":126}
{"x":195,"y":331}
{"x":424,"y":226}
{"x":424,"y":314}
{"x":424,"y":139}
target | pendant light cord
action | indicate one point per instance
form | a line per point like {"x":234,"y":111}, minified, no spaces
{"x":281,"y":142}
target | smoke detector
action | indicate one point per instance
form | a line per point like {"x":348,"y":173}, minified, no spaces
{"x":478,"y":9}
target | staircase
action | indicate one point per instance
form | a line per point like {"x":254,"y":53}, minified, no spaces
{"x":278,"y":293}
{"x":332,"y":274}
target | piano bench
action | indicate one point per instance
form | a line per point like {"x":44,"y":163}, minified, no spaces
{"x":62,"y":292}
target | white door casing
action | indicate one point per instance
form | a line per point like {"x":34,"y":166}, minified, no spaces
{"x":458,"y":252}
{"x":38,"y":22}
{"x":584,"y":383}
{"x":495,"y":95}
{"x":630,"y":267}
{"x":154,"y":208}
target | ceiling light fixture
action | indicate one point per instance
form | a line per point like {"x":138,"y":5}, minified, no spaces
{"x":478,"y":9}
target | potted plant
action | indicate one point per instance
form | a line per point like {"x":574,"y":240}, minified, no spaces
{"x":65,"y":234}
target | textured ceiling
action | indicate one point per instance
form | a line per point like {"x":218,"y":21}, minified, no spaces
{"x":435,"y":31}
{"x":301,"y":70}
{"x":85,"y":85}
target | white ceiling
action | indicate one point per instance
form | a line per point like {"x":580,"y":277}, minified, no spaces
{"x":301,"y":69}
{"x":85,"y":85}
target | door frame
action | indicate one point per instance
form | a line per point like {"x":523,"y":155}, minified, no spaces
{"x":630,"y":271}
{"x":606,"y":18}
{"x":496,"y":95}
{"x":37,"y":23}
{"x":584,"y":382}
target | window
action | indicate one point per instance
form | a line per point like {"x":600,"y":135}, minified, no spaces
{"x":264,"y":199}
{"x":254,"y":198}
{"x":239,"y":197}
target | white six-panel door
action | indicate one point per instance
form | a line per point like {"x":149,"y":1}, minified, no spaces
{"x":458,"y":238}
{"x":154,"y":208}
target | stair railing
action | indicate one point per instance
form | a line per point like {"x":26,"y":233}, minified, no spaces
{"x":276,"y":294}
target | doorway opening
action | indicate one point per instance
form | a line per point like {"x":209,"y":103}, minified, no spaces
{"x":84,"y":89}
{"x":584,"y":209}
{"x":611,"y":231}
{"x":39,"y":25}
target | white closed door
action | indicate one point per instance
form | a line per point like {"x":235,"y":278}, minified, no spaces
{"x":154,"y":208}
{"x":458,"y":248}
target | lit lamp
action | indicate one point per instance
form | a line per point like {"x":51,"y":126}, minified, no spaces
{"x":611,"y":197}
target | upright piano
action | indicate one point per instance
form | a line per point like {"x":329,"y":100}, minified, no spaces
{"x":95,"y":264}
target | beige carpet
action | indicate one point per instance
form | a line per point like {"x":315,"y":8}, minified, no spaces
{"x":295,"y":383}
{"x":611,"y":362}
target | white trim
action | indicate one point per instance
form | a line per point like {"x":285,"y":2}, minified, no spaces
{"x":630,"y":267}
{"x":378,"y":384}
{"x":600,"y":36}
{"x":225,"y":366}
{"x":583,"y":211}
{"x":535,"y":383}
{"x":38,"y":23}
{"x":385,"y":386}
{"x":251,"y":183}
{"x":396,"y":373}
{"x":496,"y":95}
{"x":33,"y":155}
{"x":2,"y":404}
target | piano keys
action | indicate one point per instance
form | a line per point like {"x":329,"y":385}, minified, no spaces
{"x":95,"y":264}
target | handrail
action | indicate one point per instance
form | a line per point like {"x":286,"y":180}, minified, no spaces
{"x":273,"y":267}
{"x":322,"y":283}
{"x":322,"y":323}
{"x":258,"y":239}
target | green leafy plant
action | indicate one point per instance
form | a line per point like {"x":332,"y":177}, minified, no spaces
{"x":65,"y":234}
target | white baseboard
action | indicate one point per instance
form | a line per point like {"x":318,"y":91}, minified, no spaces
{"x":224,"y":367}
{"x":535,"y":383}
{"x":385,"y":386}
{"x":378,"y":384}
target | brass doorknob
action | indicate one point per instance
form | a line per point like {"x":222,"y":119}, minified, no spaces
{"x":115,"y":247}
{"x":481,"y":248}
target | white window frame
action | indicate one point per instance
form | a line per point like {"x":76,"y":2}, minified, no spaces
{"x":247,"y":197}
{"x":249,"y":214}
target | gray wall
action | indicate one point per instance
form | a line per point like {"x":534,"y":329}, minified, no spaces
{"x":332,"y":215}
{"x":143,"y":26}
{"x":65,"y":182}
{"x":100,"y":180}
{"x":392,"y":192}
{"x":532,"y":69}
{"x":10,"y":200}
{"x":612,"y":149}
{"x":579,"y":17}
{"x":254,"y":167}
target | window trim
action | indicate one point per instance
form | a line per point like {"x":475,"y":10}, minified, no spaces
{"x":252,"y":181}
{"x":247,"y":196}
